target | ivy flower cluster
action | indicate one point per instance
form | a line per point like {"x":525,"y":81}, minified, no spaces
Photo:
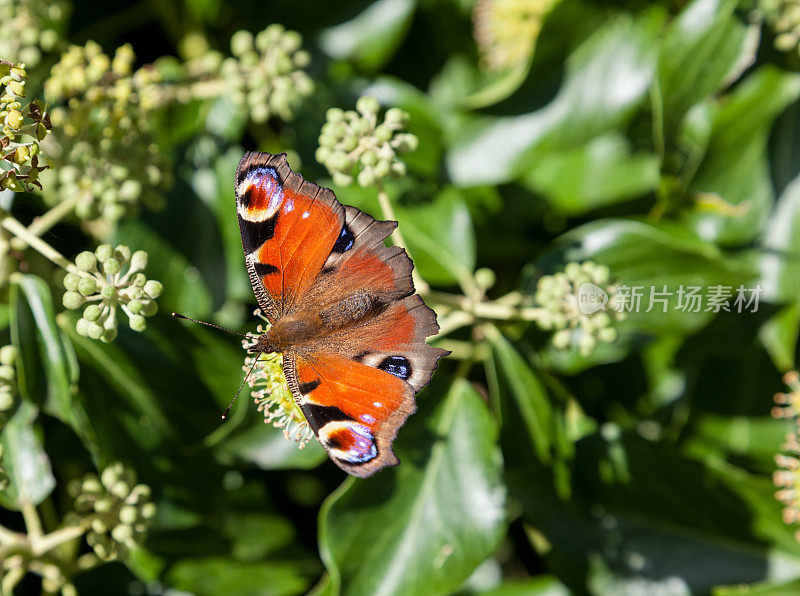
{"x":104,"y":149}
{"x":8,"y":377}
{"x":356,"y":145}
{"x":117,"y":510}
{"x":30,"y":29}
{"x":559,"y":296}
{"x":506,"y":30}
{"x":25,"y":124}
{"x":266,"y":74}
{"x":783,"y":17}
{"x":106,"y":281}
{"x":271,"y":392}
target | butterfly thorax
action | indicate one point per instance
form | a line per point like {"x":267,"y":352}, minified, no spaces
{"x":304,"y":326}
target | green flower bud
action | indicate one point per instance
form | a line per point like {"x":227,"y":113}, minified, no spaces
{"x":9,"y":355}
{"x":87,"y":286}
{"x":135,"y":306}
{"x":383,"y":133}
{"x":122,"y":533}
{"x":137,"y":323}
{"x":92,"y":312}
{"x":111,"y":267}
{"x":335,"y":115}
{"x":153,"y":288}
{"x":485,"y":278}
{"x":104,"y":252}
{"x":6,"y":399}
{"x":561,"y":339}
{"x":72,"y":300}
{"x":82,"y":327}
{"x":342,"y":179}
{"x":7,"y":372}
{"x":95,"y":331}
{"x":366,"y":178}
{"x":122,"y":253}
{"x":86,"y":261}
{"x":368,"y":105}
{"x":138,"y":260}
{"x":108,"y":292}
{"x":396,"y":116}
{"x":607,"y":334}
{"x":369,"y":158}
{"x":128,"y":514}
{"x":71,"y":281}
{"x":149,"y":308}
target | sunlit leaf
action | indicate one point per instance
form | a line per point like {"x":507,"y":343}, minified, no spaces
{"x":423,"y":527}
{"x":370,"y":38}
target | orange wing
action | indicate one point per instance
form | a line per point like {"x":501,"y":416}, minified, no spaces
{"x":289,"y":228}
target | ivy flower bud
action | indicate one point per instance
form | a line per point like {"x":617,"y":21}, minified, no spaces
{"x":86,"y":261}
{"x":72,"y":300}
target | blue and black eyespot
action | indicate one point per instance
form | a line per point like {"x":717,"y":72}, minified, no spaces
{"x":345,"y":241}
{"x":398,"y":366}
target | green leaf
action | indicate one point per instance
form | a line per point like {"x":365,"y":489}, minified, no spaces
{"x":212,"y":576}
{"x":700,"y":48}
{"x":735,"y":166}
{"x":621,"y":54}
{"x":440,"y":238}
{"x":421,"y":528}
{"x":527,"y":392}
{"x":184,"y":288}
{"x":371,"y":38}
{"x":111,"y":362}
{"x":779,"y":336}
{"x":599,"y":173}
{"x":46,"y":369}
{"x":541,"y":585}
{"x":30,"y":479}
{"x":265,"y":447}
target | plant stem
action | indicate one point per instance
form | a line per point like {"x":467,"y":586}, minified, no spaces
{"x":12,"y":578}
{"x":397,"y":237}
{"x":32,"y":521}
{"x":42,"y":247}
{"x":55,"y":539}
{"x":487,"y":310}
{"x":7,"y":536}
{"x":43,"y":223}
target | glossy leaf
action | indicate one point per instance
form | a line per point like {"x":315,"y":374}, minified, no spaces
{"x":739,"y":137}
{"x":30,"y":477}
{"x":47,"y":369}
{"x":601,"y":172}
{"x":700,"y":48}
{"x":370,"y":38}
{"x":423,"y":527}
{"x":495,"y":150}
{"x":440,"y":238}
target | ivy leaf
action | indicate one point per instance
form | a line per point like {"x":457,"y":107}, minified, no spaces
{"x":30,"y":478}
{"x":47,"y":368}
{"x":370,"y":38}
{"x":423,"y":527}
{"x":441,"y":238}
{"x":496,"y":149}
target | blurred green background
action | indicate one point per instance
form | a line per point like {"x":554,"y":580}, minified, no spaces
{"x":555,"y":451}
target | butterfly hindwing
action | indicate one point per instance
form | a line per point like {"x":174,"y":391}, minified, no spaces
{"x":288,"y":228}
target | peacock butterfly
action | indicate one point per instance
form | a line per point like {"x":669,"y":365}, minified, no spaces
{"x":342,"y":309}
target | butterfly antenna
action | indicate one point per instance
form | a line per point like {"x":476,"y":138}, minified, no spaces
{"x":178,"y":316}
{"x":247,"y":376}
